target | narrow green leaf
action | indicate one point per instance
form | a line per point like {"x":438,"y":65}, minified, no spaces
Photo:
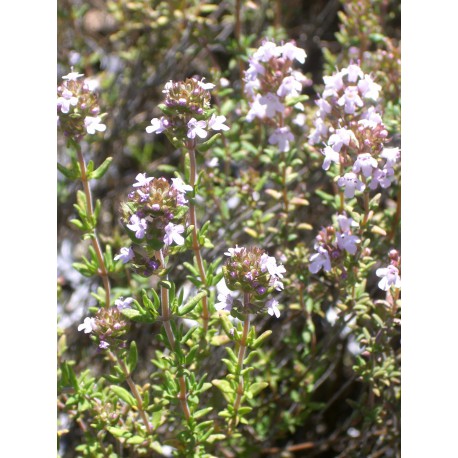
{"x":132,"y":357}
{"x":191,"y":304}
{"x":102,"y":169}
{"x":123,"y":394}
{"x":257,"y":387}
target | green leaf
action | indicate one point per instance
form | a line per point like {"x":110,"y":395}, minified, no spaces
{"x":123,"y":394}
{"x":67,"y":172}
{"x":258,"y":342}
{"x":191,"y":304}
{"x":117,"y":432}
{"x":223,"y":385}
{"x":102,"y":169}
{"x":257,"y":387}
{"x":135,"y":440}
{"x":202,"y":412}
{"x":132,"y":357}
{"x":208,"y":144}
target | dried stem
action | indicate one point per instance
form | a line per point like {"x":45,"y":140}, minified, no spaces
{"x":103,"y":272}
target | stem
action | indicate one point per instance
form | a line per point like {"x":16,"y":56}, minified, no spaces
{"x":237,"y":33}
{"x":241,"y":357}
{"x":397,"y":217}
{"x":103,"y":272}
{"x":195,"y":241}
{"x":165,"y":308}
{"x":133,"y":389}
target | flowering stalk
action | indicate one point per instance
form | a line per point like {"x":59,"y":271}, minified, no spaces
{"x":240,"y":358}
{"x":133,"y":388}
{"x":165,"y":308}
{"x":103,"y":272}
{"x":195,"y":241}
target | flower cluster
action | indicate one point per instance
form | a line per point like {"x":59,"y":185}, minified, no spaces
{"x":353,"y":132}
{"x":187,"y":111}
{"x":331,"y":244}
{"x":253,"y":272}
{"x":154,"y":217}
{"x":389,"y":275}
{"x":78,"y":112}
{"x":269,"y":81}
{"x":108,"y":325}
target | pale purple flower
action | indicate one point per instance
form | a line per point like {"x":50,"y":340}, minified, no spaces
{"x":233,"y":251}
{"x":333,"y":84}
{"x":103,"y":345}
{"x":291,"y":52}
{"x":289,"y":86}
{"x":276,"y":283}
{"x":257,"y":110}
{"x":351,"y":183}
{"x":321,"y":130}
{"x":217,"y":122}
{"x":365,"y":163}
{"x":320,"y":260}
{"x":225,"y":302}
{"x":330,"y":155}
{"x":122,"y":303}
{"x":167,"y":87}
{"x":300,"y":119}
{"x":266,"y":51}
{"x":142,"y":180}
{"x":353,"y":72}
{"x":196,"y":128}
{"x":87,"y":326}
{"x":324,"y":107}
{"x":137,"y":225}
{"x":158,"y":125}
{"x":255,"y":68}
{"x":340,"y":138}
{"x":94,"y":123}
{"x":372,"y":116}
{"x":66,"y":101}
{"x":347,"y":242}
{"x":350,"y":100}
{"x":389,"y":277}
{"x":272,"y":103}
{"x":368,"y":88}
{"x":72,"y":76}
{"x":251,"y":86}
{"x":392,"y":155}
{"x":172,"y":234}
{"x":126,"y":254}
{"x":381,"y":177}
{"x":269,"y":264}
{"x":281,"y":137}
{"x":272,"y":308}
{"x":346,"y":223}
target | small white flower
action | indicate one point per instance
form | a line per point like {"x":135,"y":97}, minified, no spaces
{"x":180,"y":186}
{"x":172,"y":234}
{"x":158,"y":125}
{"x":272,"y":103}
{"x":368,"y":88}
{"x":142,"y":180}
{"x":66,"y":101}
{"x":289,"y":86}
{"x":94,"y":123}
{"x":390,"y":277}
{"x":206,"y":86}
{"x":196,"y":128}
{"x":353,"y":72}
{"x":266,"y":51}
{"x":126,"y":254}
{"x":269,"y":263}
{"x":392,"y":155}
{"x":233,"y":251}
{"x":350,"y":100}
{"x":217,"y":122}
{"x":340,"y":138}
{"x":346,"y":223}
{"x":347,"y":242}
{"x":72,"y":76}
{"x":87,"y":326}
{"x":272,"y":308}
